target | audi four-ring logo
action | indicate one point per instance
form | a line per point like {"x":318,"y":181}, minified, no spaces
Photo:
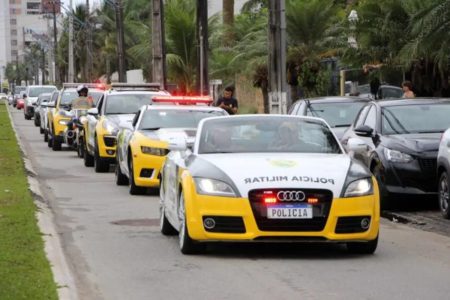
{"x":291,"y":196}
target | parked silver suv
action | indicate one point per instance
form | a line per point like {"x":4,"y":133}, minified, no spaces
{"x":443,"y":171}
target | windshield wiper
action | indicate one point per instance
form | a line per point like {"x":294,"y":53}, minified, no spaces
{"x":118,"y":113}
{"x":341,"y":125}
{"x":428,"y":131}
{"x":151,"y":128}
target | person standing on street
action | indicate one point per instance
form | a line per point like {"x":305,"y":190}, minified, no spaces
{"x":407,"y":90}
{"x":228,"y":102}
{"x":83,"y":101}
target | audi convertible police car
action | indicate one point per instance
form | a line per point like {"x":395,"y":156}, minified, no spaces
{"x":265,"y":178}
{"x":142,"y":148}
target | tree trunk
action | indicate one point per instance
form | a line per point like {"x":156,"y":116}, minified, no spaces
{"x":228,"y":21}
{"x":265,"y":92}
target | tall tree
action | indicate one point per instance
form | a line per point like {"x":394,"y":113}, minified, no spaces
{"x":228,"y":21}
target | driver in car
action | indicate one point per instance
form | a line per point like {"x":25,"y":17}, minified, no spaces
{"x":219,"y":140}
{"x":83,"y":101}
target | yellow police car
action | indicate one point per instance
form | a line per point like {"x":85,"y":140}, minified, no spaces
{"x":143,"y":146}
{"x":115,"y":109}
{"x":267,"y":178}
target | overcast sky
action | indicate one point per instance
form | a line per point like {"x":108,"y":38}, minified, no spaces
{"x":214,"y":5}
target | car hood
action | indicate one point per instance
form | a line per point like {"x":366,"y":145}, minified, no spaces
{"x":250,"y":171}
{"x":32,"y":100}
{"x":417,"y":142}
{"x":121,"y":120}
{"x":165,"y":134}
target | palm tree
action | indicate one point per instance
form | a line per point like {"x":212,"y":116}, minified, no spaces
{"x":228,"y":21}
{"x":181,"y":43}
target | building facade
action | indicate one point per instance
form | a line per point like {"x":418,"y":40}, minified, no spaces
{"x":23,"y":22}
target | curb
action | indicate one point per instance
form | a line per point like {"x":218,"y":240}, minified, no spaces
{"x":62,"y":274}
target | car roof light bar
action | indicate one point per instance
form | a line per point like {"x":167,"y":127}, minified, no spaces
{"x":136,"y":87}
{"x":100,"y":86}
{"x":183,"y":100}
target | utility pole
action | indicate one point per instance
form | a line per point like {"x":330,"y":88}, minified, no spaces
{"x":43,"y":63}
{"x":71,"y":60}
{"x":202,"y":53}
{"x":158,"y":44}
{"x":277,"y":57}
{"x":89,"y":66}
{"x":120,"y":40}
{"x":55,"y":42}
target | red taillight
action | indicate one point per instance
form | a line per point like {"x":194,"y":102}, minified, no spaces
{"x":183,"y":100}
{"x":269,"y":197}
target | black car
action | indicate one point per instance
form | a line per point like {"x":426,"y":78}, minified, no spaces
{"x":338,"y":112}
{"x":398,"y":141}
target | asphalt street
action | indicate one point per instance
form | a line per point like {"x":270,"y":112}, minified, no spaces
{"x":115,"y":250}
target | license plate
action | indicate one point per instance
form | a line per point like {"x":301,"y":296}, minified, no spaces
{"x":290,"y":211}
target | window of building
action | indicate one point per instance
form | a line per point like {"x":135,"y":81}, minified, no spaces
{"x":13,"y":22}
{"x":14,"y":53}
{"x":34,"y":5}
{"x":15,"y":11}
{"x":14,"y":32}
{"x":13,"y":42}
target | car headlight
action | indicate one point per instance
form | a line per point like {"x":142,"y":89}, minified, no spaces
{"x":207,"y":186}
{"x":154,"y":151}
{"x":63,"y":122}
{"x":397,"y":156}
{"x":110,"y":128}
{"x":360,"y":187}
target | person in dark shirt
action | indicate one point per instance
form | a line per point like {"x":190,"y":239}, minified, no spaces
{"x":228,"y":102}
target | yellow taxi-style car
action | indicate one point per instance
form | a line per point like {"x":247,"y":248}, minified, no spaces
{"x":114,"y":110}
{"x":58,"y":108}
{"x":267,"y":178}
{"x":142,"y":148}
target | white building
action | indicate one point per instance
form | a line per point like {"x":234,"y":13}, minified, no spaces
{"x":21,"y":22}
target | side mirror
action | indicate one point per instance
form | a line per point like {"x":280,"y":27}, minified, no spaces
{"x":177,"y":144}
{"x":93,"y":112}
{"x":356,"y":145}
{"x":364,"y":131}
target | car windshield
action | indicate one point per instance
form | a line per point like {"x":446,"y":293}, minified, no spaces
{"x":19,"y":89}
{"x":267,"y":134}
{"x":392,"y":93}
{"x":175,"y":118}
{"x":36,"y":91}
{"x":68,"y":96}
{"x":336,"y":114}
{"x":415,"y":118}
{"x":126,"y":104}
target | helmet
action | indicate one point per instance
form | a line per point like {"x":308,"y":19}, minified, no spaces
{"x":82,"y":88}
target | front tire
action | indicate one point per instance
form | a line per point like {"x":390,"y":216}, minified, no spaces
{"x":36,"y":121}
{"x":164,"y":224}
{"x":363,"y":247}
{"x":385,"y":198}
{"x":121,"y":179}
{"x":88,"y":158}
{"x":134,"y":189}
{"x":100,"y":165}
{"x":45,"y":135}
{"x":187,"y":245}
{"x":444,"y":195}
{"x":80,"y":148}
{"x":56,"y":144}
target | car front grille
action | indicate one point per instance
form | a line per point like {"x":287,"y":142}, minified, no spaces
{"x":321,"y":211}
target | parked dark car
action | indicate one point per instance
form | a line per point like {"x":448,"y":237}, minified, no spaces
{"x":398,"y":140}
{"x":338,"y":112}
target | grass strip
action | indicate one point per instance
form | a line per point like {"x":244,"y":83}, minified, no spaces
{"x":24,"y":270}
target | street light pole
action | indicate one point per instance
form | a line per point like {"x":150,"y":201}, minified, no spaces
{"x":202,"y":34}
{"x":120,"y":40}
{"x":158,"y":44}
{"x":277,"y":57}
{"x":71,"y":58}
{"x":55,"y":42}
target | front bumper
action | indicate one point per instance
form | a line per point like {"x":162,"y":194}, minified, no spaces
{"x":199,"y":206}
{"x":107,"y":145}
{"x":147,"y":169}
{"x":418,"y":177}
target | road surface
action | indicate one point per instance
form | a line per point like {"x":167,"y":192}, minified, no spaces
{"x":115,"y":250}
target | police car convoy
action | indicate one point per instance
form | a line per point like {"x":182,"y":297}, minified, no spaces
{"x":284,"y":178}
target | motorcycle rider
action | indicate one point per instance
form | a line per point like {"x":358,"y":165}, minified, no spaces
{"x":83,"y":101}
